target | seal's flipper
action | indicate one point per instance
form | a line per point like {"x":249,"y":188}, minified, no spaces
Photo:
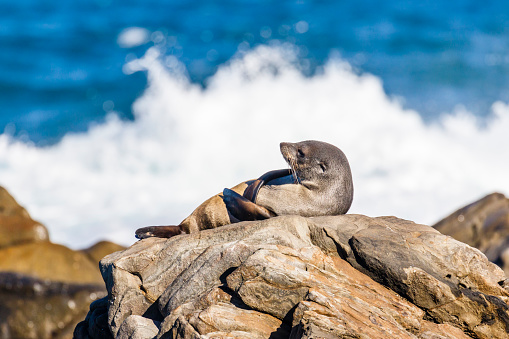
{"x":158,"y":231}
{"x":252,"y":190}
{"x":243,"y":209}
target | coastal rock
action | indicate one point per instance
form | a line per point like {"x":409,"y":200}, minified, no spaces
{"x":50,"y":261}
{"x":101,"y":249}
{"x":16,"y":225}
{"x":294,"y":277}
{"x":45,"y":288}
{"x":138,"y":327}
{"x":39,"y":309}
{"x":483,"y":224}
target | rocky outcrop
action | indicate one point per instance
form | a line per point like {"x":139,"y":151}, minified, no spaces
{"x":50,"y":261}
{"x":36,"y":308}
{"x":45,"y":288}
{"x":346,"y":276}
{"x":483,"y":224}
{"x":16,"y":225}
{"x":98,"y":251}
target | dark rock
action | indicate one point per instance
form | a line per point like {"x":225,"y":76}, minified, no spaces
{"x":95,"y":324}
{"x":36,"y":308}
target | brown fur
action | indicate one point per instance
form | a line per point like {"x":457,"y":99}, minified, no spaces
{"x":321,"y":185}
{"x":211,"y":213}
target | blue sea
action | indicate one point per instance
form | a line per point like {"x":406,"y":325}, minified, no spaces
{"x":120,"y":114}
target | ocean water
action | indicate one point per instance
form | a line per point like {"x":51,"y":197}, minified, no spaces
{"x":118,"y":115}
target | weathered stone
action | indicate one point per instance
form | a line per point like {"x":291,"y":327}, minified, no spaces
{"x":460,"y":285}
{"x":287,"y":277}
{"x":138,"y":327}
{"x":45,"y":288}
{"x":35,"y":308}
{"x":483,"y":224}
{"x":16,"y":225}
{"x":221,"y":319}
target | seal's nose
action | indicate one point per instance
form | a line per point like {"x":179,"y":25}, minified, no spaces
{"x":288,"y":150}
{"x":283,"y":145}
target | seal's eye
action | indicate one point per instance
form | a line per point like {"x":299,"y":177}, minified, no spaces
{"x":300,"y":154}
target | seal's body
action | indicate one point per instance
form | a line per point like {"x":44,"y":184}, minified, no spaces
{"x":323,"y":182}
{"x":319,"y":182}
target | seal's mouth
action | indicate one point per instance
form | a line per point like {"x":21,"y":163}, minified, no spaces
{"x":289,"y":152}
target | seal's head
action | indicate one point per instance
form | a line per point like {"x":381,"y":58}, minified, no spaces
{"x":320,"y":166}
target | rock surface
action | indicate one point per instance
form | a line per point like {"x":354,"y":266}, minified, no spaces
{"x":50,"y":261}
{"x":45,"y":288}
{"x":346,"y":276}
{"x":483,"y":224}
{"x":16,"y":225}
{"x":98,"y":251}
{"x":39,"y":309}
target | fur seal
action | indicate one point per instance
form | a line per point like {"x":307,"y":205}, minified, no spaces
{"x":319,"y":182}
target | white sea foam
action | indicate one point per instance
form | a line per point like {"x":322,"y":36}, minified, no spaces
{"x":188,"y":143}
{"x":132,"y":37}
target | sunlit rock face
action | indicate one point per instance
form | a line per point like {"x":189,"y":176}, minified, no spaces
{"x":483,"y":224}
{"x":294,"y":277}
{"x":16,"y":225}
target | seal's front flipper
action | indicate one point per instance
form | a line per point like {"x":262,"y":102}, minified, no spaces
{"x":252,"y":190}
{"x":243,"y":209}
{"x":158,"y":231}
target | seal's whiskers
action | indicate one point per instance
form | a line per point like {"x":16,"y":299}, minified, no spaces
{"x":292,"y":164}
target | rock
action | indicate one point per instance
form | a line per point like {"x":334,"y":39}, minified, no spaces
{"x":16,"y":225}
{"x":50,"y":261}
{"x":101,"y":249}
{"x":483,"y":224}
{"x":454,"y":283}
{"x":346,"y":276}
{"x":95,"y":324}
{"x":45,"y":288}
{"x":39,"y":309}
{"x":138,"y":327}
{"x":9,"y":206}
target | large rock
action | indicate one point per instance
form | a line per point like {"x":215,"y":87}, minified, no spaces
{"x":483,"y":224}
{"x":39,"y":309}
{"x":16,"y":225}
{"x":50,"y":261}
{"x":45,"y":288}
{"x":101,"y":249}
{"x":347,"y":276}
